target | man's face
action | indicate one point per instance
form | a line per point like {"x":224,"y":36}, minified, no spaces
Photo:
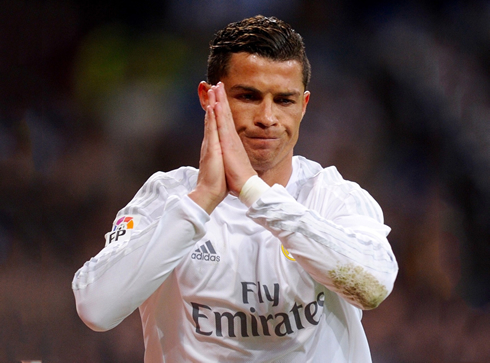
{"x":267,"y":101}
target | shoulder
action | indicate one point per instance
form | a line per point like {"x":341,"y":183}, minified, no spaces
{"x":326,"y":190}
{"x":159,"y":187}
{"x":311,"y":174}
{"x":184,"y":177}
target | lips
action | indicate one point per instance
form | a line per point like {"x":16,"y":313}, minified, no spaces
{"x":262,"y":137}
{"x":262,"y":142}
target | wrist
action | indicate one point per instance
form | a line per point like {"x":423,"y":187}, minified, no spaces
{"x":204,"y":200}
{"x":252,"y":190}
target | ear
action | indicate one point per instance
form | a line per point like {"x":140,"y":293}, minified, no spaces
{"x":202,"y":91}
{"x":305,"y":101}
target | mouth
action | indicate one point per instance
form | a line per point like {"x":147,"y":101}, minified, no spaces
{"x":262,"y":142}
{"x":262,"y":137}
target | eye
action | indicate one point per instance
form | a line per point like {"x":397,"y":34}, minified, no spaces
{"x":247,"y":97}
{"x":285,"y":101}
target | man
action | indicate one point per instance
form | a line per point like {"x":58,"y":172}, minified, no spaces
{"x":257,"y":256}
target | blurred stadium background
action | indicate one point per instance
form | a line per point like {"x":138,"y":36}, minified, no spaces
{"x":95,"y":96}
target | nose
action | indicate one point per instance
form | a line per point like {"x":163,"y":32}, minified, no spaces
{"x":266,"y":114}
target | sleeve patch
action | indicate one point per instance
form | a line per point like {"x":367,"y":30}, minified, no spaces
{"x":121,"y":229}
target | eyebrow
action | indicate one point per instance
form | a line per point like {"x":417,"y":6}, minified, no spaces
{"x":240,"y":87}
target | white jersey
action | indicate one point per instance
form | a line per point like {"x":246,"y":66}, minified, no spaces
{"x":281,"y":281}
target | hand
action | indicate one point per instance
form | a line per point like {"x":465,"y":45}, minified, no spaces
{"x":211,"y":183}
{"x":237,"y":166}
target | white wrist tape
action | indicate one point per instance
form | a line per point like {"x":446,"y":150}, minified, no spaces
{"x":253,"y":188}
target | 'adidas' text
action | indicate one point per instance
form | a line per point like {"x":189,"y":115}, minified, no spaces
{"x":206,"y":252}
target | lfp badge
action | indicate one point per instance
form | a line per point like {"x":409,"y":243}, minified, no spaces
{"x":124,"y":223}
{"x":121,"y":230}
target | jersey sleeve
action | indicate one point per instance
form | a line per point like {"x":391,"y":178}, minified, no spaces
{"x":338,"y":236}
{"x":149,"y":238}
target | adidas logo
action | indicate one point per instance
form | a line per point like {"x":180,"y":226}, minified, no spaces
{"x":205,"y":252}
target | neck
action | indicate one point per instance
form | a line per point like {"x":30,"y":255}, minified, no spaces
{"x":276,"y":176}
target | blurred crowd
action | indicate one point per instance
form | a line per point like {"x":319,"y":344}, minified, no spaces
{"x":95,"y":96}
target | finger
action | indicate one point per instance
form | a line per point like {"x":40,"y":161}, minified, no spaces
{"x":209,"y":130}
{"x":235,"y":159}
{"x":211,"y":112}
{"x":224,"y":106}
{"x":224,"y":118}
{"x":212,"y":96}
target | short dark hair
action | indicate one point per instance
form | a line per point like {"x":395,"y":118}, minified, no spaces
{"x":267,"y":37}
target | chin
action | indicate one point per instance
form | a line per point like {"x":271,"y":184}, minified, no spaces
{"x":263,"y":165}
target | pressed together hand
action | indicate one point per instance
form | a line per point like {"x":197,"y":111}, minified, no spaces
{"x":224,"y":166}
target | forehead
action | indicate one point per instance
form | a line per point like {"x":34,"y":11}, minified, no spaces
{"x":246,"y":68}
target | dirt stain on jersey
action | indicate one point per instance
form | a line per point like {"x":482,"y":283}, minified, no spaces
{"x":359,"y":285}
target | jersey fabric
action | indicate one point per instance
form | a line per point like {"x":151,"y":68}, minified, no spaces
{"x":281,"y":281}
